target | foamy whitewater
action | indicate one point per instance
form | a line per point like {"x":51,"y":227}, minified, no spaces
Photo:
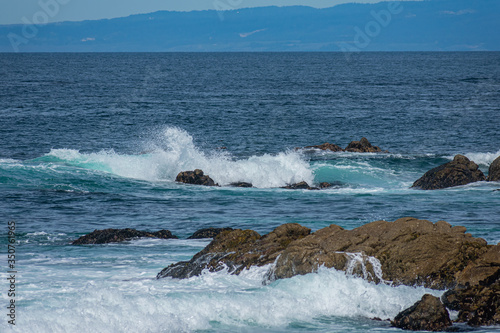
{"x":95,"y":141}
{"x":174,"y":151}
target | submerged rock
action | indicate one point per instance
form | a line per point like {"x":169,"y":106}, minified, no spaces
{"x":236,"y":250}
{"x":428,"y":314}
{"x":208,"y":233}
{"x":460,"y":171}
{"x":119,"y":235}
{"x":241,"y":184}
{"x":494,"y":170}
{"x":362,"y":146}
{"x":196,"y":177}
{"x":326,"y":146}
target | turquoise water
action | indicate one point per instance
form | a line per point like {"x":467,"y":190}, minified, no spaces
{"x":94,"y":141}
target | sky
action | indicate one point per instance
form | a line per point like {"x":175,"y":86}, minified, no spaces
{"x":45,"y":11}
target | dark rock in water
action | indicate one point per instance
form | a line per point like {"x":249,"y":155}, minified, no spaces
{"x":428,"y":314}
{"x":298,"y":186}
{"x":195,"y":177}
{"x":494,"y":171}
{"x":460,"y":171}
{"x":305,"y":186}
{"x":326,"y":146}
{"x":119,"y":235}
{"x":241,"y":184}
{"x":208,"y":233}
{"x":410,"y":252}
{"x":237,"y":250}
{"x":362,"y":146}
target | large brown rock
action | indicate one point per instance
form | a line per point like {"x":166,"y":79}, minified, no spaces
{"x":362,"y":146}
{"x":237,"y":250}
{"x":494,"y":171}
{"x":409,"y":251}
{"x":119,"y":235}
{"x":428,"y":314}
{"x":460,"y":171}
{"x":196,"y":177}
{"x":327,"y":146}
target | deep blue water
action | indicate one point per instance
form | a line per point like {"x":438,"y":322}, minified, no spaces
{"x":93,"y":141}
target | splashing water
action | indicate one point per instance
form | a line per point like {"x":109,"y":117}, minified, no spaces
{"x":174,"y":151}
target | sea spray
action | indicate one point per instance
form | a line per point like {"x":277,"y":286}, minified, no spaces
{"x":370,"y":267}
{"x":175,"y":152}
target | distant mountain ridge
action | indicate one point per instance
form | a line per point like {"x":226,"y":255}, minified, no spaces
{"x":437,"y":25}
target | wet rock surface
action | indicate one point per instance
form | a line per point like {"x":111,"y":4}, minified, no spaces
{"x":494,"y":170}
{"x":208,"y":233}
{"x":477,"y":305}
{"x":196,"y":177}
{"x":362,"y":146}
{"x":236,"y":250}
{"x":477,"y":296}
{"x":428,"y":314}
{"x":119,"y":235}
{"x":460,"y":171}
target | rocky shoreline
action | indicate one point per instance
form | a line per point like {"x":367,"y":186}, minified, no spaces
{"x":407,"y":251}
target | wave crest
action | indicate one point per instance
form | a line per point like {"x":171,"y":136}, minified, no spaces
{"x":174,"y":151}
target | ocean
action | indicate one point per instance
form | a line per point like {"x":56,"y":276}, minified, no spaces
{"x":95,"y":141}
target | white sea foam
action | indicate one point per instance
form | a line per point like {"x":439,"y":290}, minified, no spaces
{"x":480,"y":158}
{"x":174,"y":151}
{"x":209,"y":301}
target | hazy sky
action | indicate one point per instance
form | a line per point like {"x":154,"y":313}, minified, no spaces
{"x":13,"y":11}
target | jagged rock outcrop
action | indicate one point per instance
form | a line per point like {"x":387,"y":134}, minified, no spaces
{"x":362,"y":146}
{"x":237,"y":250}
{"x":208,"y":233}
{"x":326,"y":146}
{"x":494,"y":170}
{"x":410,"y":251}
{"x":460,"y":171}
{"x":119,"y":235}
{"x":407,"y":251}
{"x":196,"y":177}
{"x":428,"y":314}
